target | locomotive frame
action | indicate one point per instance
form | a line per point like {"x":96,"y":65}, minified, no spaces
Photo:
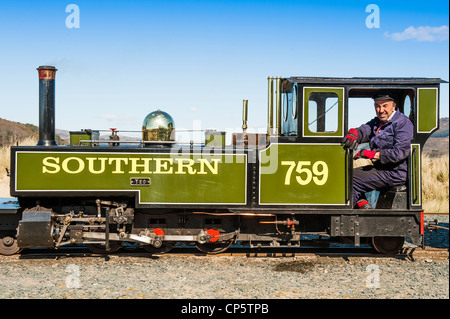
{"x":158,"y":194}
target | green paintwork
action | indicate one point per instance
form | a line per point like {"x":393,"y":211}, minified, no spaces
{"x":274,"y":175}
{"x":427,"y":109}
{"x":415,"y":173}
{"x":75,"y":137}
{"x":170,"y":182}
{"x":340,"y":93}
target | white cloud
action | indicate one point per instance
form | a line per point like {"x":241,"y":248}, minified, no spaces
{"x":193,"y":109}
{"x":421,"y":34}
{"x":109,"y":117}
{"x":116,"y":118}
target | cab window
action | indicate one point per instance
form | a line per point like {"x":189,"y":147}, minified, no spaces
{"x":323,"y":112}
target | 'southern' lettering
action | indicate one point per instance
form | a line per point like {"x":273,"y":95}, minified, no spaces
{"x":130,"y":165}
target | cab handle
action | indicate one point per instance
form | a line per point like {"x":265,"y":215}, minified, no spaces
{"x":414,"y":163}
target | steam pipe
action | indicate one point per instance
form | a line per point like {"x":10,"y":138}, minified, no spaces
{"x":46,"y":105}
{"x":278,"y":111}
{"x":244,"y":115}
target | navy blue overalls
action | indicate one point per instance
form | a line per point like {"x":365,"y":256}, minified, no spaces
{"x":393,"y":141}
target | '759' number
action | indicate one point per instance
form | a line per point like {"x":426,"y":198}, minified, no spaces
{"x":318,"y":172}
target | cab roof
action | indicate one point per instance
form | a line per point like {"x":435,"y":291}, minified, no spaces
{"x":365,"y":80}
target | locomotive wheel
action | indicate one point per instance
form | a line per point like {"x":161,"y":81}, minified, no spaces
{"x":165,"y":248}
{"x":8,"y":244}
{"x":214,"y":248}
{"x":101,"y":249}
{"x":388,"y":245}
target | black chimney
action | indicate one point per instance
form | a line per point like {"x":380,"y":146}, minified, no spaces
{"x":47,"y":105}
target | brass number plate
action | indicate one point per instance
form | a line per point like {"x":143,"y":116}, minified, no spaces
{"x":140,"y":181}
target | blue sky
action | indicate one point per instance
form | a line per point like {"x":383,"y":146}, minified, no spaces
{"x":198,"y":60}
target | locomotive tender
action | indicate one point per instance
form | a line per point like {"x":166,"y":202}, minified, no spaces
{"x":263,"y":190}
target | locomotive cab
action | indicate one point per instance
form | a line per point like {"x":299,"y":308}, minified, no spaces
{"x":313,"y":114}
{"x":313,"y":111}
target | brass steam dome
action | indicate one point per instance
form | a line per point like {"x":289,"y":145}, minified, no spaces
{"x":158,"y":126}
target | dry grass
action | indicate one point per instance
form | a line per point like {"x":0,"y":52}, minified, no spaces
{"x":5,"y":153}
{"x":435,"y":183}
{"x":435,"y":187}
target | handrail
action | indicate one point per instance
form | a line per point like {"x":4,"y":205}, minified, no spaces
{"x":415,"y":186}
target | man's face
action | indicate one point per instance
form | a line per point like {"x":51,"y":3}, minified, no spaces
{"x":384,"y":109}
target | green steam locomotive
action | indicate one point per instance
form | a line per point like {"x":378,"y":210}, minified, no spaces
{"x":263,"y":190}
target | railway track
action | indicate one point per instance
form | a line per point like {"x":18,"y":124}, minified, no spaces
{"x":337,"y":252}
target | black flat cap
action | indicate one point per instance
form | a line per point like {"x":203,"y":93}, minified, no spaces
{"x":383,"y":96}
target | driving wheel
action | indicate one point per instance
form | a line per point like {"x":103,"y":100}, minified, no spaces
{"x":214,"y":248}
{"x":101,"y":249}
{"x":165,"y":248}
{"x":388,"y":245}
{"x":8,"y":244}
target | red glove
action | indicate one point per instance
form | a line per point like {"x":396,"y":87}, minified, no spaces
{"x":365,"y":154}
{"x":350,"y":141}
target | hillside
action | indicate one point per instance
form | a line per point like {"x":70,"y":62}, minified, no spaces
{"x":13,"y":132}
{"x":437,"y":144}
{"x":443,"y":128}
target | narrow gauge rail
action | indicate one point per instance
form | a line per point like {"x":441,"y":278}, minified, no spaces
{"x":275,"y":252}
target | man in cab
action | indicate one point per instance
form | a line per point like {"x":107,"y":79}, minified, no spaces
{"x":389,"y":135}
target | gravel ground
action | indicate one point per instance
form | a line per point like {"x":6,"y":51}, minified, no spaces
{"x":223,"y":277}
{"x":227,"y":277}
